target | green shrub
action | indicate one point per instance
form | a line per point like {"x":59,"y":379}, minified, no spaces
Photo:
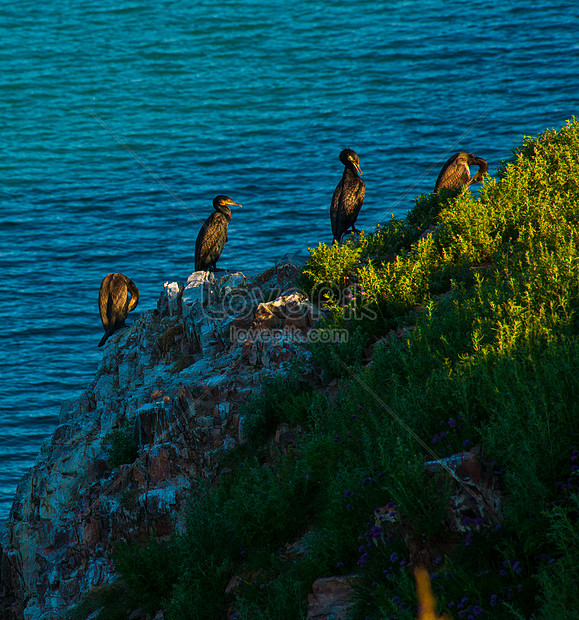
{"x":339,"y":358}
{"x":478,"y":331}
{"x":150,"y":570}
{"x":329,"y":265}
{"x":282,"y":399}
{"x":123,"y":448}
{"x":109,"y":602}
{"x":558,"y":575}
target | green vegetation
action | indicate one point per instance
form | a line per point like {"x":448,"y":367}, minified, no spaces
{"x":123,"y":448}
{"x":466,"y":337}
{"x":111,"y":601}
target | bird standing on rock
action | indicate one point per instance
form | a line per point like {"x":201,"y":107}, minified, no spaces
{"x":348,"y":196}
{"x":213,"y":234}
{"x":455,"y":173}
{"x":114,"y":303}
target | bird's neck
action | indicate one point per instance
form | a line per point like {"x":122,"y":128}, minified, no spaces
{"x":225,"y":211}
{"x":350,"y":171}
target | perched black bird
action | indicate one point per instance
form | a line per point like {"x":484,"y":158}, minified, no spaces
{"x":348,"y":196}
{"x":213,"y":234}
{"x":114,"y":303}
{"x":455,"y":173}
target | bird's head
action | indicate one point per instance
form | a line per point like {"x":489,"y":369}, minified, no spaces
{"x":221,"y":201}
{"x":483,"y":167}
{"x":349,"y":157}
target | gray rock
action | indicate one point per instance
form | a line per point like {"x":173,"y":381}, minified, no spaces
{"x":178,"y":381}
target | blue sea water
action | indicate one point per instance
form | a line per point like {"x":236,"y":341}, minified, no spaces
{"x":121,"y":120}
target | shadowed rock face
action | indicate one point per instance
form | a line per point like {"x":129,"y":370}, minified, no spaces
{"x":174,"y":382}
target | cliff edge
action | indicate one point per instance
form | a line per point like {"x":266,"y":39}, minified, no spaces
{"x":165,"y":399}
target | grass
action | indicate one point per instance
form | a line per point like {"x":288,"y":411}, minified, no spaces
{"x":466,"y":336}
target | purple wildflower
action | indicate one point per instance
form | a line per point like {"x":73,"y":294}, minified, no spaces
{"x":376,"y":532}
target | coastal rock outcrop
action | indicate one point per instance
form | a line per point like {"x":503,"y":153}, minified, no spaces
{"x":163,"y":407}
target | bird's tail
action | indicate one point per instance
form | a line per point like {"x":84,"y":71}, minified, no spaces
{"x":105,"y":337}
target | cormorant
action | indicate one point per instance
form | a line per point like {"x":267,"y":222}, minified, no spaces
{"x":455,"y":173}
{"x":213,"y":234}
{"x":114,"y":303}
{"x":348,"y":196}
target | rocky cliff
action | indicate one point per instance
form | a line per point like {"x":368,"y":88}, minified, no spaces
{"x":170,"y":386}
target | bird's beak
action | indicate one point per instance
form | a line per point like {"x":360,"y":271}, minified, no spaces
{"x":235,"y":204}
{"x":357,"y":166}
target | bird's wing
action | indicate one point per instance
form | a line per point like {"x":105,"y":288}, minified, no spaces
{"x":200,"y":242}
{"x":352,"y":202}
{"x":454,"y":175}
{"x":215,"y":235}
{"x":334,"y":207}
{"x":360,"y":196}
{"x":103,"y":301}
